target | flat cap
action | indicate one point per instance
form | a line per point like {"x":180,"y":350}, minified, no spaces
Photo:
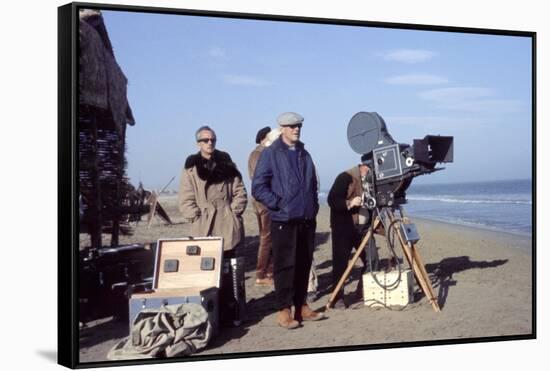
{"x":261,"y":134}
{"x":289,"y":118}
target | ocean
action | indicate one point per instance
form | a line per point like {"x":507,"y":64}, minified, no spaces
{"x":497,"y":205}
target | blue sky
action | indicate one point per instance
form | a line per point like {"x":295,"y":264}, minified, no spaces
{"x":239,"y":75}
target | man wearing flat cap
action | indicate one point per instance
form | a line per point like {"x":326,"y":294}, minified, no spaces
{"x":285,"y":182}
{"x":264,"y":263}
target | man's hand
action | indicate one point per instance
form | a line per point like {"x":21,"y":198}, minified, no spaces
{"x":355,"y":202}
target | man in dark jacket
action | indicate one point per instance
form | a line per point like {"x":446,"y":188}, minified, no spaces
{"x":348,"y":221}
{"x":285,"y":182}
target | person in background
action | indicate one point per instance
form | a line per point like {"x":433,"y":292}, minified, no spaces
{"x":349,"y":221}
{"x":285,"y":182}
{"x":264,"y":264}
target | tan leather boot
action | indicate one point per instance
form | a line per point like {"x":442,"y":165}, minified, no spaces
{"x":284,"y":319}
{"x":306,"y":314}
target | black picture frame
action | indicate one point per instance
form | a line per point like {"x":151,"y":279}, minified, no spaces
{"x":68,"y":179}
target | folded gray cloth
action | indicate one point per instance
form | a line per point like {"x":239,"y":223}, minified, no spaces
{"x":168,"y":331}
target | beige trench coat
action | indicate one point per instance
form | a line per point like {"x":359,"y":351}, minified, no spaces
{"x":218,"y":212}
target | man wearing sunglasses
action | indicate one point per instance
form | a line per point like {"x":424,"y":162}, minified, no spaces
{"x":212,"y":194}
{"x":285,"y":182}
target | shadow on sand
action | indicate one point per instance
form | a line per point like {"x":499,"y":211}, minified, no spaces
{"x":441,"y":274}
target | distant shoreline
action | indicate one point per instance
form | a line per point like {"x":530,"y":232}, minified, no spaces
{"x":472,"y":182}
{"x":481,"y":228}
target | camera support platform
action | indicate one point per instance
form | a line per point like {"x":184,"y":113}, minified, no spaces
{"x":387,"y":217}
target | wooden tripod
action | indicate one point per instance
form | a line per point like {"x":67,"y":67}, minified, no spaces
{"x":409,"y":250}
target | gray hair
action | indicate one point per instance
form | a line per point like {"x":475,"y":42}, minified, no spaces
{"x":203,"y":128}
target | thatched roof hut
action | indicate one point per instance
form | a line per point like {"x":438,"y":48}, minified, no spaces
{"x":104,"y":113}
{"x":102,"y":83}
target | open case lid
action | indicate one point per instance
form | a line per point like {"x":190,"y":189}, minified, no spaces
{"x":188,"y":262}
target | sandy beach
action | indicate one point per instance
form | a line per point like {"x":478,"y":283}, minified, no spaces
{"x":483,"y":280}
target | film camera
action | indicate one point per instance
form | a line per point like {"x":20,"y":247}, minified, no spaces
{"x":394,"y":164}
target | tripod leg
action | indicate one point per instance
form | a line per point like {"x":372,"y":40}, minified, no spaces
{"x":352,"y":262}
{"x":416,"y":264}
{"x":432,"y":297}
{"x":421,"y":275}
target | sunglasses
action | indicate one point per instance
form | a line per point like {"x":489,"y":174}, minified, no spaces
{"x":299,"y":126}
{"x":206,"y":140}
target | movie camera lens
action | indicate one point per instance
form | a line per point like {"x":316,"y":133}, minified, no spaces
{"x":370,"y":203}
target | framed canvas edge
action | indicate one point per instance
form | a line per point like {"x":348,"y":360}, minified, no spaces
{"x":67,"y":302}
{"x":67,"y":319}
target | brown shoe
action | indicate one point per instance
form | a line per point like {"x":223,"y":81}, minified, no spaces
{"x":306,"y":314}
{"x":285,"y":320}
{"x":264,"y":281}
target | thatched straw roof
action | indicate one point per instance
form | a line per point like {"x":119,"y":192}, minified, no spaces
{"x":102,"y":83}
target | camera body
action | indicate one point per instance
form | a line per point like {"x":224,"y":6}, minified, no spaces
{"x":393,"y":165}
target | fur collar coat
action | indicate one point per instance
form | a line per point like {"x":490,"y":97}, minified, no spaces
{"x":212,"y":197}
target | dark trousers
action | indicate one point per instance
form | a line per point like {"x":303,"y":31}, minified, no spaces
{"x":292,"y":246}
{"x":345,"y":237}
{"x":264,"y":265}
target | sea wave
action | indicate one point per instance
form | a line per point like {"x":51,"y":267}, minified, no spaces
{"x":468,"y":201}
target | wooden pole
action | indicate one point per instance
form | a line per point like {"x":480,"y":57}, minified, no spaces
{"x":153,"y":202}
